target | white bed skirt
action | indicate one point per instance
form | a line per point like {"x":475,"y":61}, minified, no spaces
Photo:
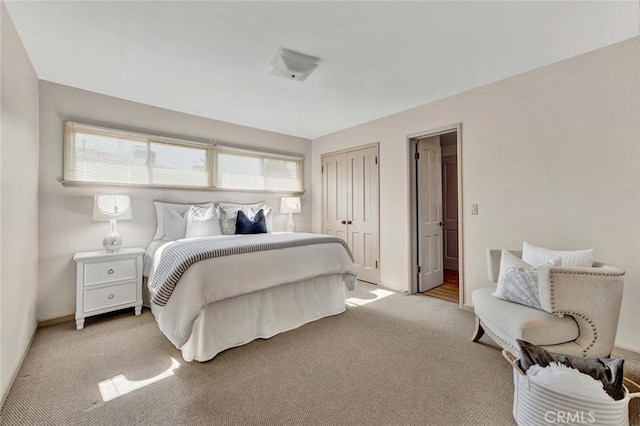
{"x":237,"y":321}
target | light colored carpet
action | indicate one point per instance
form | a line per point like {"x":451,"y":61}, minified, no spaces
{"x":389,"y":360}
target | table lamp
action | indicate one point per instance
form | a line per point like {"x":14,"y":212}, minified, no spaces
{"x":112,"y":207}
{"x":290,"y":205}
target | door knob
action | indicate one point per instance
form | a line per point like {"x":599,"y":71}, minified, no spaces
{"x":349,"y":222}
{"x":344,"y":222}
{"x":441,"y":224}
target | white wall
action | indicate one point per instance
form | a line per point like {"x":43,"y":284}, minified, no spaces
{"x":65,"y":221}
{"x":551,"y":156}
{"x":18,"y":201}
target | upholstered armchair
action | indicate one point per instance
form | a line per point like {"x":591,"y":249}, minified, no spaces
{"x":580,"y":312}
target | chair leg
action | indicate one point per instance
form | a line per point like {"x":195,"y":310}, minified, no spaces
{"x":479,"y":331}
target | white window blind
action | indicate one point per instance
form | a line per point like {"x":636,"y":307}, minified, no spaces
{"x":240,"y":169}
{"x":99,"y":155}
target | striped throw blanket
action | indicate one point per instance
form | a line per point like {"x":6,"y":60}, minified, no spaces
{"x":179,"y":255}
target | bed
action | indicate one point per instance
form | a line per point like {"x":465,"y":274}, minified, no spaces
{"x":212,"y":293}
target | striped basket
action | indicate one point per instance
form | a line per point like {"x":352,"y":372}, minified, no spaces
{"x":535,"y":405}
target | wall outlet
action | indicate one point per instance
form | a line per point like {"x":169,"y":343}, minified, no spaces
{"x":474,"y":209}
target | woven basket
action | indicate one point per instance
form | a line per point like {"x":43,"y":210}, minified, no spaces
{"x":535,"y":405}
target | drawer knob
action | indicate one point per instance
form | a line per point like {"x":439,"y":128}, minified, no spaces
{"x":110,"y":271}
{"x":110,"y":296}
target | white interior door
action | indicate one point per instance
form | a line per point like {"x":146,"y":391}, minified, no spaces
{"x":430,"y":247}
{"x":334,"y":195}
{"x":450,"y":211}
{"x":362,"y":208}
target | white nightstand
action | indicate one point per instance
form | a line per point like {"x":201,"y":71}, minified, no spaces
{"x":107,"y":282}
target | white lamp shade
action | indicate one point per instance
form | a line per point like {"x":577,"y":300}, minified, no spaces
{"x":112,"y":206}
{"x":290,"y":205}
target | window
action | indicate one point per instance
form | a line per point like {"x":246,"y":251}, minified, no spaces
{"x":240,"y":169}
{"x":105,"y":156}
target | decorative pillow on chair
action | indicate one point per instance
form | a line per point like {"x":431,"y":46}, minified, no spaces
{"x":518,"y":281}
{"x":256,"y":225}
{"x":202,"y":222}
{"x":537,"y":256}
{"x":610,"y":371}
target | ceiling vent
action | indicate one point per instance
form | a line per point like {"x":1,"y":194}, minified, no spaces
{"x":293,"y":65}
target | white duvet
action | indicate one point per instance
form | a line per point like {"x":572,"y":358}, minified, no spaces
{"x":211,"y":280}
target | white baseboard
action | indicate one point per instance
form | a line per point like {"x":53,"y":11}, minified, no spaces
{"x":16,"y":368}
{"x":55,"y":320}
{"x":467,"y":308}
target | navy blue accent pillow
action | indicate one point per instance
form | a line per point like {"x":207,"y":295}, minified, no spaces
{"x":244,"y":225}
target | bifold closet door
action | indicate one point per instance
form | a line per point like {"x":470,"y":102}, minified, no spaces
{"x":362,"y":209}
{"x":350,"y":206}
{"x":334,"y":195}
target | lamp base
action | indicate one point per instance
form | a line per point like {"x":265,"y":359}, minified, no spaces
{"x":291,"y":225}
{"x":112,"y":241}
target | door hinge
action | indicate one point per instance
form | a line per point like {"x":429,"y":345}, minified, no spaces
{"x":376,"y":264}
{"x":417,"y":156}
{"x":376,"y":159}
{"x":322,"y":169}
{"x":419,"y":269}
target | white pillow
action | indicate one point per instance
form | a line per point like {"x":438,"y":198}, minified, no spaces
{"x":567,"y":380}
{"x":537,"y":256}
{"x":254,"y":211}
{"x":518,"y":281}
{"x":178,"y":208}
{"x":202,"y":222}
{"x":175,"y":225}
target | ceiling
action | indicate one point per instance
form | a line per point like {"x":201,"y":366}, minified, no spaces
{"x":378,"y":58}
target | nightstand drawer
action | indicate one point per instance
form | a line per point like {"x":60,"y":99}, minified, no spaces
{"x":106,"y":272}
{"x":105,"y":297}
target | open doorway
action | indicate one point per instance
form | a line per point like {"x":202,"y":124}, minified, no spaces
{"x":436,"y":200}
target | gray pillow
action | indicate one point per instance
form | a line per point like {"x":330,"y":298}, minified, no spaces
{"x":610,"y":371}
{"x":228,"y":216}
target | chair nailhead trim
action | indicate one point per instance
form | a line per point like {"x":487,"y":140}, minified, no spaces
{"x":496,"y":337}
{"x":590,"y":322}
{"x":594,"y":330}
{"x":596,"y":274}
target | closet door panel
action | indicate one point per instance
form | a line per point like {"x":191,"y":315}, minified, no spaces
{"x":334,"y":195}
{"x":363,"y":206}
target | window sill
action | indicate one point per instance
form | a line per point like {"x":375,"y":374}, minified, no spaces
{"x":74,"y":184}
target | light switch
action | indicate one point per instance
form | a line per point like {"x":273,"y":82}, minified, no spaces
{"x":474,"y":209}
